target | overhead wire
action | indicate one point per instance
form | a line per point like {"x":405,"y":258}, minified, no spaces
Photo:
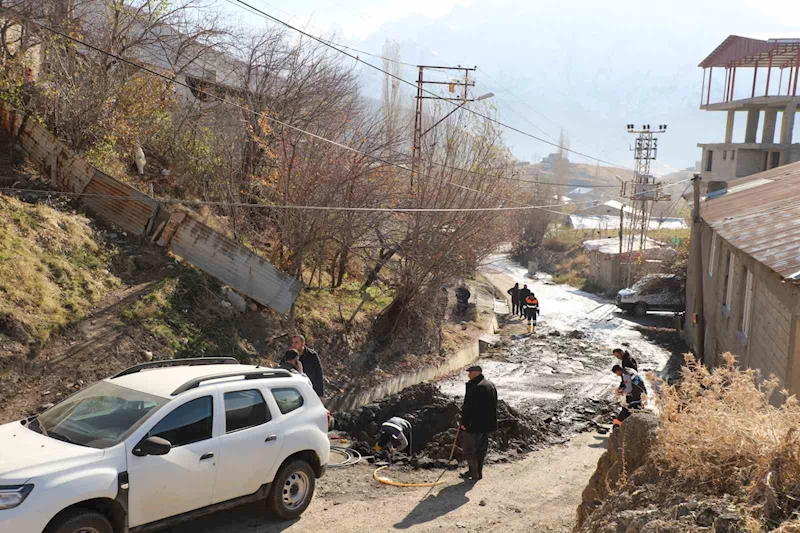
{"x":215,"y":97}
{"x":272,"y":119}
{"x":403,"y":80}
{"x":198,"y":203}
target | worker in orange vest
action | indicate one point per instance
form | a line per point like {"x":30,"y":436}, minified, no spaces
{"x":531,"y":310}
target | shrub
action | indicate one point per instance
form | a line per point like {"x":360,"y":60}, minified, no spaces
{"x":721,"y":432}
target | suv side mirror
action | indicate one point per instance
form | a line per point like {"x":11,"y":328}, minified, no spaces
{"x":152,"y":446}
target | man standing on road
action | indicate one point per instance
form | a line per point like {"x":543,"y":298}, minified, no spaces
{"x":632,"y":387}
{"x":524,"y":292}
{"x":311,"y":365}
{"x":514,"y":292}
{"x":626,"y":361}
{"x":531,"y":311}
{"x":478,"y":419}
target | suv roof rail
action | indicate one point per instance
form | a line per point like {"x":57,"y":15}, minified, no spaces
{"x":246,"y":374}
{"x":190,"y":361}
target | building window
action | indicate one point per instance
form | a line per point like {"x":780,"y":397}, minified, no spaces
{"x":747,"y":309}
{"x":712,"y":255}
{"x":724,"y":155}
{"x":709,"y":160}
{"x":733,"y":155}
{"x":729,"y":282}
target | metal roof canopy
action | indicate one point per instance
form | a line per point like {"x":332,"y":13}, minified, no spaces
{"x":760,"y":215}
{"x":737,"y":51}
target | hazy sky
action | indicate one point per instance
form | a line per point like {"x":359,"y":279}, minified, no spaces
{"x":584,"y":66}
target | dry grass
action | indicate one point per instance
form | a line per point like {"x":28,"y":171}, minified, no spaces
{"x":52,"y":269}
{"x":720,"y":434}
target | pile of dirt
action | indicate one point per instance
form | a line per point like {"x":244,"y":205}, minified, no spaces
{"x":434,"y":417}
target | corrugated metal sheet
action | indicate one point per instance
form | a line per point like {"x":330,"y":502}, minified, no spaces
{"x":210,"y":251}
{"x":234,"y":265}
{"x":735,"y":48}
{"x":131,"y":212}
{"x":764,"y":220}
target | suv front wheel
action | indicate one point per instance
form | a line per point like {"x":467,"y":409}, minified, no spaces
{"x":292,"y":490}
{"x":81,"y":521}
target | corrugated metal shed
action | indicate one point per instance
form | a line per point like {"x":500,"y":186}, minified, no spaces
{"x":762,"y":220}
{"x":234,"y":265}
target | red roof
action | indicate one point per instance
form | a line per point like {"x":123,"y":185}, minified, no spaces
{"x":736,"y":51}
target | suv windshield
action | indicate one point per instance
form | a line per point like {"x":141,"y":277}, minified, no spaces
{"x":99,"y":416}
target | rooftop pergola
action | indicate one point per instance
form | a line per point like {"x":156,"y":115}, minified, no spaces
{"x":737,"y":52}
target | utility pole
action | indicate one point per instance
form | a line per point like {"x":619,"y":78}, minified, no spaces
{"x":621,"y":221}
{"x":453,"y":86}
{"x":697,"y":244}
{"x":644,"y":189}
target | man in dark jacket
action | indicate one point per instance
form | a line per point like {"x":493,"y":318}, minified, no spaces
{"x":514,"y":293}
{"x":311,"y":365}
{"x":626,"y":361}
{"x":524,"y":292}
{"x":478,"y":419}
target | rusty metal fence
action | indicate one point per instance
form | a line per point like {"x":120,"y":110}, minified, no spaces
{"x":139,"y":214}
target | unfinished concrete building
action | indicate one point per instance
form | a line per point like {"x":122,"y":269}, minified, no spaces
{"x":760,"y":86}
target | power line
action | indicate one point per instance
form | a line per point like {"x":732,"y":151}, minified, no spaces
{"x":221,"y":99}
{"x":198,"y":203}
{"x":526,"y":104}
{"x":313,"y":135}
{"x":485,"y":117}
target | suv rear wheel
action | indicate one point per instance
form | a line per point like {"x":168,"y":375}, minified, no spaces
{"x":292,"y":490}
{"x":81,"y":521}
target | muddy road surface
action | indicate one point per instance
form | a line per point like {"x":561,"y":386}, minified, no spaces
{"x":568,"y":360}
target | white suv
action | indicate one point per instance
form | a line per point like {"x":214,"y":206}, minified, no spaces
{"x":161,"y":443}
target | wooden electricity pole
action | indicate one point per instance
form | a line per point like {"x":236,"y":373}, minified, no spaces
{"x":697,"y":264}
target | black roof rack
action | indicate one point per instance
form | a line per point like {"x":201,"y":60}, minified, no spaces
{"x":247,"y":374}
{"x":191,"y":361}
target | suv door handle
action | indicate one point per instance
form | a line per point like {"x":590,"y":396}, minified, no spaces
{"x":271,"y":438}
{"x":205,"y":456}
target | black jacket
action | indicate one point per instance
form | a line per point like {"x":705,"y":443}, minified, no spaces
{"x":479,"y":412}
{"x":629,"y":362}
{"x":313,"y":369}
{"x":523,"y":293}
{"x":514,"y":292}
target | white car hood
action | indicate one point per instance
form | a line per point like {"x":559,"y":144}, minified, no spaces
{"x":625,"y":293}
{"x":27,"y":454}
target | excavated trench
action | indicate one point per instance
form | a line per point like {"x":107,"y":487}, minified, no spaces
{"x":434,"y":417}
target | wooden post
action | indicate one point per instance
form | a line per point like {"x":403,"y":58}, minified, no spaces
{"x":621,"y":213}
{"x":699,"y":322}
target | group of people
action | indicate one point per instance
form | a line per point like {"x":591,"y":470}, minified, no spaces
{"x":631,"y":384}
{"x":300,"y":359}
{"x":478,"y":420}
{"x":525,"y":304}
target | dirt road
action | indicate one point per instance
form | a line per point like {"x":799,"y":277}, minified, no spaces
{"x":539,"y":493}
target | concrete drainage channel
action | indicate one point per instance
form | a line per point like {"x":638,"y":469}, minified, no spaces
{"x":469,"y":354}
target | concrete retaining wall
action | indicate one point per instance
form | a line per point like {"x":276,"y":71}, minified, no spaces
{"x":361,"y":397}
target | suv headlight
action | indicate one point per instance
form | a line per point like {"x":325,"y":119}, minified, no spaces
{"x":11,"y":497}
